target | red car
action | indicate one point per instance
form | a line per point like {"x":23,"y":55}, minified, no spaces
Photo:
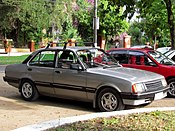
{"x":147,"y":59}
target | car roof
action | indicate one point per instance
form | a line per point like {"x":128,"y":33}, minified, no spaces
{"x":163,"y":49}
{"x":132,"y":49}
{"x":73,"y":48}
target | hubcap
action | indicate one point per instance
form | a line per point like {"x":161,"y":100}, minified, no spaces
{"x":109,"y":102}
{"x":172,"y":88}
{"x":27,"y":90}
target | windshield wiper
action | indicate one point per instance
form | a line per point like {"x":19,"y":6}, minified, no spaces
{"x":112,"y":65}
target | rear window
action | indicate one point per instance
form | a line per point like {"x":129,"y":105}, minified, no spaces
{"x":44,"y":59}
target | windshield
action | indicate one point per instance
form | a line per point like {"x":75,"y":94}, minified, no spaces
{"x":160,"y":58}
{"x":95,"y":57}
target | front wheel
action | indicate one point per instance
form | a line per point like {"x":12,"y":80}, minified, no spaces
{"x":171,"y":84}
{"x":109,"y":100}
{"x":28,"y":91}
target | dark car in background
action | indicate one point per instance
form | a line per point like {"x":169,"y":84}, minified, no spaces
{"x":76,"y":73}
{"x":147,"y":59}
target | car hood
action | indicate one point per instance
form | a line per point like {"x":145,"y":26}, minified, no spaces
{"x":130,"y":74}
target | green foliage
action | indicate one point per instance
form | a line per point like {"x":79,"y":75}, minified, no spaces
{"x":31,"y":16}
{"x":136,"y":34}
{"x":155,"y":22}
{"x":70,"y":32}
{"x":63,"y":20}
{"x":111,"y":20}
{"x":83,"y":19}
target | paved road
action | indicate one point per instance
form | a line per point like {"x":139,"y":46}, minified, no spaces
{"x":15,"y":112}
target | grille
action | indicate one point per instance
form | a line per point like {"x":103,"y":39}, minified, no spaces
{"x":153,"y":85}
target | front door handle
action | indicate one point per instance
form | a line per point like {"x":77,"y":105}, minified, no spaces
{"x":29,"y":69}
{"x":59,"y":72}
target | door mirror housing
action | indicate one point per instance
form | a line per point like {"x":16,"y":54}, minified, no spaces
{"x":152,"y":64}
{"x":76,"y":67}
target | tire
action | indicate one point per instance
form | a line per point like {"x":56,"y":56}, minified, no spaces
{"x":171,"y":84}
{"x":28,"y":90}
{"x":109,"y":100}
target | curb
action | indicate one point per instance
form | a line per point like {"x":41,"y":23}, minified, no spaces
{"x":68,"y":120}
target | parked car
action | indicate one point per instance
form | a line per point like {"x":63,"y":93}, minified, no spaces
{"x":75,"y":73}
{"x":170,"y":54}
{"x":147,"y":59}
{"x":163,"y":49}
{"x":142,"y":46}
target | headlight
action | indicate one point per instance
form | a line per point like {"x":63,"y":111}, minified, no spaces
{"x":137,"y":88}
{"x":164,"y":83}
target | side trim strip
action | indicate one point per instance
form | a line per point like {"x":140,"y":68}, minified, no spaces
{"x":66,"y":86}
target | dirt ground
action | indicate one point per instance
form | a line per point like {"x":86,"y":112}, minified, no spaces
{"x":15,"y":112}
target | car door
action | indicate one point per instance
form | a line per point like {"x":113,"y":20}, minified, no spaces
{"x":139,"y":60}
{"x":69,"y":82}
{"x":40,"y":69}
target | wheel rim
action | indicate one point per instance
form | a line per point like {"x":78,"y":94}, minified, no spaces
{"x":172,"y":88}
{"x":27,"y":90}
{"x":109,"y":102}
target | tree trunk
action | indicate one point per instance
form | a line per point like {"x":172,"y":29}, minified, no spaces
{"x":170,"y":20}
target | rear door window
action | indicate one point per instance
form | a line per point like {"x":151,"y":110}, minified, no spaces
{"x":139,"y":58}
{"x":120,"y":55}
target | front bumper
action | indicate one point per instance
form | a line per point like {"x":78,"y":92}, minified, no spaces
{"x":139,"y":99}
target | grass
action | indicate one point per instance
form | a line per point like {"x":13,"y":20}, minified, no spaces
{"x":6,"y":60}
{"x":153,"y":121}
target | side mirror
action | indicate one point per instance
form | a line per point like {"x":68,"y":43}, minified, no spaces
{"x":76,"y":66}
{"x":152,"y":64}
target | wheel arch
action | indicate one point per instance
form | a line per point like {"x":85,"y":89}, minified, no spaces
{"x":100,"y":89}
{"x":169,"y":77}
{"x":25,"y":79}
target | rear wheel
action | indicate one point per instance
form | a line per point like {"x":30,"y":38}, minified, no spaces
{"x":28,"y":90}
{"x":171,"y":84}
{"x":109,"y":100}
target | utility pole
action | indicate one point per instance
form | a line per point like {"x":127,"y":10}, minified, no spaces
{"x":95,"y":23}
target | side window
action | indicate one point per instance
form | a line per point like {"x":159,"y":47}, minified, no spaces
{"x":65,"y":59}
{"x":139,"y":58}
{"x":121,"y":56}
{"x":43,"y":59}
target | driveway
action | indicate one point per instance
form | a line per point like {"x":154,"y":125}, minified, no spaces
{"x":2,"y":68}
{"x":15,"y":112}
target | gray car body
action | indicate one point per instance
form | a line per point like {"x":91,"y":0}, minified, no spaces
{"x":85,"y":83}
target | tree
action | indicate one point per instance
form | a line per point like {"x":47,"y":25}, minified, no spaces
{"x":145,"y":7}
{"x":25,"y":17}
{"x":152,"y":22}
{"x":160,"y":14}
{"x":135,"y":32}
{"x":111,"y":21}
{"x":83,"y":19}
{"x":169,"y":8}
{"x":110,"y":18}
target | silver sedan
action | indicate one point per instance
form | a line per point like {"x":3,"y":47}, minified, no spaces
{"x":84,"y":74}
